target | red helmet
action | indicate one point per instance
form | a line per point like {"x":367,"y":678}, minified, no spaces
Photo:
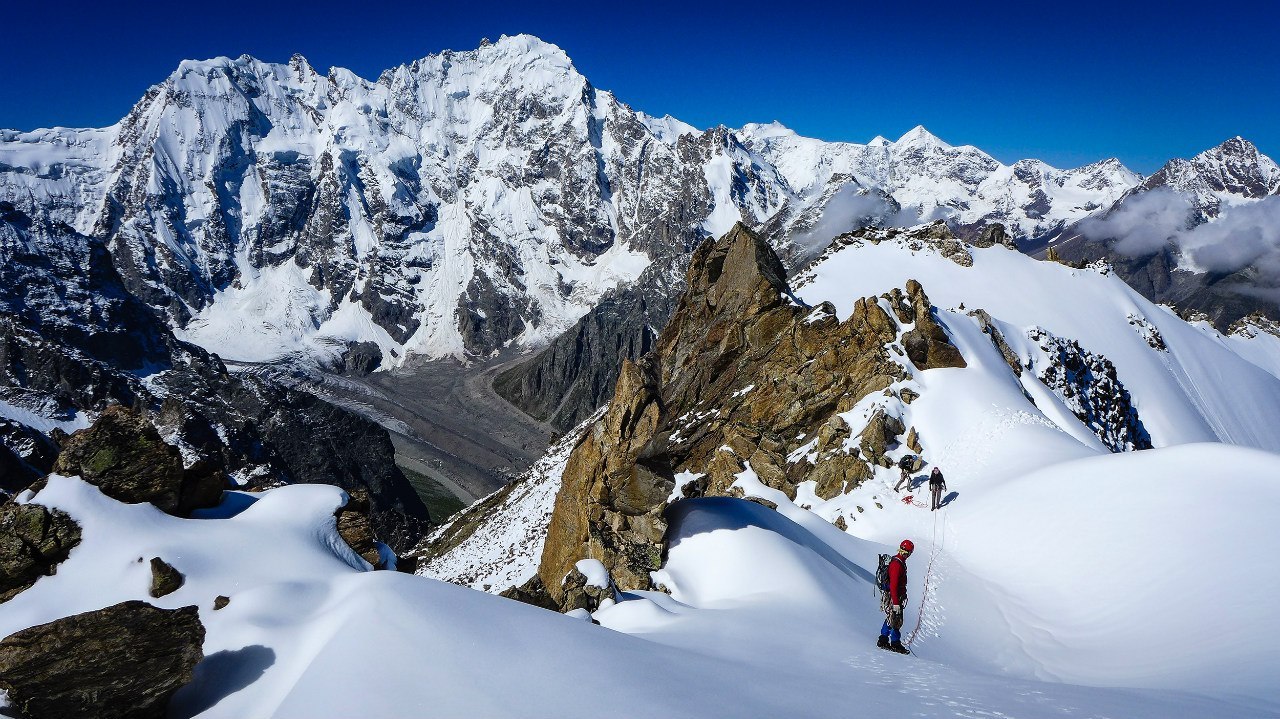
{"x":907,"y":546}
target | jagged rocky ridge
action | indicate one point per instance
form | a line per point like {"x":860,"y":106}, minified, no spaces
{"x":712,"y":411}
{"x":743,"y":379}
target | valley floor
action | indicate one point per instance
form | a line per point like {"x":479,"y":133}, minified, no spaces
{"x":453,"y":435}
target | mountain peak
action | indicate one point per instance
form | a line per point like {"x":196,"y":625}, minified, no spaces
{"x":765,"y":130}
{"x":1234,"y":147}
{"x":918,"y":136}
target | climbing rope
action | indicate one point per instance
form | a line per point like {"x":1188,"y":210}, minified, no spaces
{"x":928,"y":575}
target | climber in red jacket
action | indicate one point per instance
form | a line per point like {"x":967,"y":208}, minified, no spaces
{"x":893,"y":597}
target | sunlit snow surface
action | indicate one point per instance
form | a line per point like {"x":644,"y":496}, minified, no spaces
{"x":770,"y":615}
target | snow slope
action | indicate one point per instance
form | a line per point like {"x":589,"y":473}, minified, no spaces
{"x":1194,"y":390}
{"x":770,"y":615}
{"x":1061,"y":576}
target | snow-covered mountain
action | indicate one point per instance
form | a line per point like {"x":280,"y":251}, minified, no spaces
{"x":1200,"y":234}
{"x":463,"y":202}
{"x":1061,"y":556}
{"x":929,"y":179}
{"x":1232,"y":173}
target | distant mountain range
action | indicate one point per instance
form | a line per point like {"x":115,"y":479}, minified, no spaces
{"x":474,"y":201}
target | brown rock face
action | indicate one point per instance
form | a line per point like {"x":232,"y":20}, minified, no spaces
{"x":164,"y":578}
{"x":124,"y":661}
{"x":743,"y":374}
{"x":355,"y":528}
{"x":927,"y":344}
{"x":124,"y":456}
{"x":33,"y":541}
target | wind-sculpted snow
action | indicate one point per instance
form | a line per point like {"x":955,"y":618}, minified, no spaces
{"x":464,"y":202}
{"x":781,"y":597}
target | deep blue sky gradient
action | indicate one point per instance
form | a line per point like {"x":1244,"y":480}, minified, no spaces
{"x":1068,"y":83}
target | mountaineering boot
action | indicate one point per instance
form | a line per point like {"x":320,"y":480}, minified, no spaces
{"x":883,"y":642}
{"x":897,"y":647}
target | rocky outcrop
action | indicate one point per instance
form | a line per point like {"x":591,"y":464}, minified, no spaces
{"x":33,"y":541}
{"x":744,"y":381}
{"x":122,"y":662}
{"x":994,"y":234}
{"x":1089,"y":386}
{"x":532,"y":592}
{"x":164,"y":578}
{"x":355,"y":529}
{"x":125,"y":457}
{"x":927,"y":343}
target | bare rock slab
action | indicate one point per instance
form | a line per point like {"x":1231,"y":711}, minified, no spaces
{"x":122,"y":662}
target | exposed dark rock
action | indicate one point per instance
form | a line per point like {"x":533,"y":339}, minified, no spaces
{"x":997,"y":339}
{"x":124,"y":456}
{"x":33,"y":541}
{"x":355,"y":529}
{"x":25,"y":455}
{"x":164,"y":578}
{"x":1088,"y":384}
{"x":532,"y":592}
{"x":122,"y":662}
{"x":220,"y":602}
{"x":994,"y":234}
{"x":580,"y":594}
{"x":927,"y":343}
{"x":361,"y":358}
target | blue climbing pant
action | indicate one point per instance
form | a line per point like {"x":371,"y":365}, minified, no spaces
{"x":888,"y":631}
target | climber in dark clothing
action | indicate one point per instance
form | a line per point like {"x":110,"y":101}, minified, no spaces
{"x":893,"y":597}
{"x":904,"y":473}
{"x":937,"y":485}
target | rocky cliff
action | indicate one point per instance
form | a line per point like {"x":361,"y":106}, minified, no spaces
{"x":744,"y":380}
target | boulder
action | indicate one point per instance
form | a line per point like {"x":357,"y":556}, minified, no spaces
{"x":124,"y":456}
{"x":122,"y":662}
{"x":994,"y":234}
{"x":164,"y":578}
{"x":583,"y":592}
{"x":33,"y":541}
{"x":532,"y":592}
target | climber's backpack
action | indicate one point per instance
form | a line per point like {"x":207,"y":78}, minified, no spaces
{"x":882,"y":581}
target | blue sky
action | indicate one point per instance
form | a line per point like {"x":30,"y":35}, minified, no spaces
{"x":1068,"y":83}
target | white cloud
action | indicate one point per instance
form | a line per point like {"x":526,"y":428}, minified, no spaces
{"x":1144,"y":223}
{"x":1241,"y":236}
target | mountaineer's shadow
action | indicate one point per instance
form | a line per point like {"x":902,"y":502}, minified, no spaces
{"x":220,"y":675}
